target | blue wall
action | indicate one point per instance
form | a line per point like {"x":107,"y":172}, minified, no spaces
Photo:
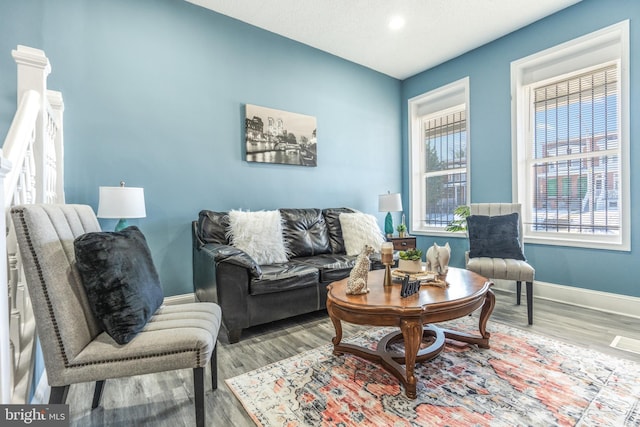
{"x":154,"y":94}
{"x":490,"y":138}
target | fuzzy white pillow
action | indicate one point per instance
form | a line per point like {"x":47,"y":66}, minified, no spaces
{"x":359,"y":229}
{"x":259,"y":234}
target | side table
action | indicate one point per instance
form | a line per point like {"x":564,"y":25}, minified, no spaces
{"x":402,"y":243}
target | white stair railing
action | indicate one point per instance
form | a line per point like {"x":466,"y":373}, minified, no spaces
{"x":31,"y":171}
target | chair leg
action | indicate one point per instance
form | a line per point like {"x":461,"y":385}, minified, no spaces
{"x":530,"y":302}
{"x":97,"y":394}
{"x":214,"y":368}
{"x":198,"y":392}
{"x":58,"y":394}
{"x":518,"y":291}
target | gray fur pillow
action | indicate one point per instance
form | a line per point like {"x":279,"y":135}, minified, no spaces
{"x":120,"y":279}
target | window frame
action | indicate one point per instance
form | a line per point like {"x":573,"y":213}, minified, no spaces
{"x":591,"y":51}
{"x":438,"y":101}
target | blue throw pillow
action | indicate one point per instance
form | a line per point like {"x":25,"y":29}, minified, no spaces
{"x":494,"y":236}
{"x":120,"y":279}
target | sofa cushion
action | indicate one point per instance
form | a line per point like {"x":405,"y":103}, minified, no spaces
{"x":305,"y":232}
{"x":259,"y":234}
{"x":213,"y":227}
{"x":360,"y":229}
{"x":494,"y":236}
{"x":332,"y":220}
{"x":122,"y":285}
{"x":284,"y":277}
{"x":332,"y":267}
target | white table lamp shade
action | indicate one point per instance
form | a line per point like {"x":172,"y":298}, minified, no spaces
{"x":121,"y":202}
{"x":389,"y":203}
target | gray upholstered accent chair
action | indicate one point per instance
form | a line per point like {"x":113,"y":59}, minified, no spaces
{"x":504,"y":268}
{"x":74,"y":346}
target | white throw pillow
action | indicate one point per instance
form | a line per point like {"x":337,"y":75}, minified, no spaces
{"x":359,"y":229}
{"x":259,"y":234}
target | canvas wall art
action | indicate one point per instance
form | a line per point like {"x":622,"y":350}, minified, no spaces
{"x":276,"y":136}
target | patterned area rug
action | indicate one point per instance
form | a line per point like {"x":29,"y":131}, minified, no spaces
{"x":523,"y":380}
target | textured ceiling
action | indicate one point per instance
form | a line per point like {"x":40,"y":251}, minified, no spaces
{"x":357,"y":30}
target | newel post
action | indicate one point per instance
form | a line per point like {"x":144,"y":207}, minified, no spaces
{"x":33,"y":69}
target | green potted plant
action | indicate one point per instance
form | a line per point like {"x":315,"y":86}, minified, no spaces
{"x":459,"y":222}
{"x":410,"y":261}
{"x":402,"y":229}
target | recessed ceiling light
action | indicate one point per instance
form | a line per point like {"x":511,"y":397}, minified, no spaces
{"x":396,"y":22}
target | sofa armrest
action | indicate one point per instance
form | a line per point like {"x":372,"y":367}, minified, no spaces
{"x":235,"y":256}
{"x":207,"y":256}
{"x":223,"y":274}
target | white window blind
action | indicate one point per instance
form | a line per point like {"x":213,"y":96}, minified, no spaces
{"x":438,"y":156}
{"x":575,"y":154}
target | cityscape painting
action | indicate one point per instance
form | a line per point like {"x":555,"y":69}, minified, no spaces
{"x":275,"y":136}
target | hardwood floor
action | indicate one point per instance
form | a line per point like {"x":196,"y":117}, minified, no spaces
{"x":167,"y":399}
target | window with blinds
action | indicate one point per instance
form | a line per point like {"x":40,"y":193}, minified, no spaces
{"x":574,"y":157}
{"x":445,"y":165}
{"x":438,"y":156}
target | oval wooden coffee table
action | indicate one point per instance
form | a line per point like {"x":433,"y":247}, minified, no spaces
{"x":414,"y":315}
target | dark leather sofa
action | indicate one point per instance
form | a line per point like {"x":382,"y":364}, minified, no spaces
{"x":252,"y":294}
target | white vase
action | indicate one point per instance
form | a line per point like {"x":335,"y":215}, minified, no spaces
{"x":409,"y":266}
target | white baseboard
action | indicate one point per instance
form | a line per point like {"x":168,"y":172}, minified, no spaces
{"x":596,"y":300}
{"x":180,"y":299}
{"x":41,"y":396}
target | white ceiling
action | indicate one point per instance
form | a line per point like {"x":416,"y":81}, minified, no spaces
{"x":357,"y":30}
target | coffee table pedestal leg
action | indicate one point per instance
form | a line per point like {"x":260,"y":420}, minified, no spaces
{"x":402,"y":363}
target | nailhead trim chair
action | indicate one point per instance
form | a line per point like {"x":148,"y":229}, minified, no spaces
{"x":74,"y":346}
{"x":500,"y":268}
